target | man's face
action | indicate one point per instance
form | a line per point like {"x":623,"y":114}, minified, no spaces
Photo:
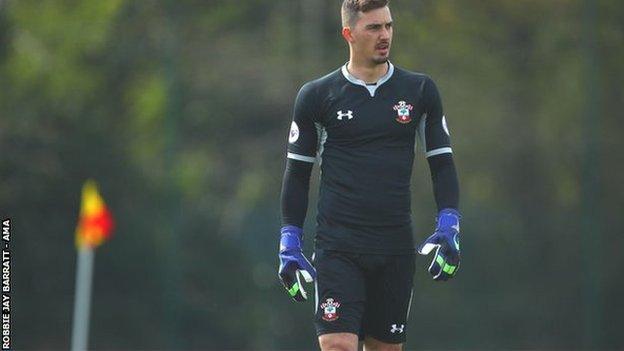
{"x":371,"y":36}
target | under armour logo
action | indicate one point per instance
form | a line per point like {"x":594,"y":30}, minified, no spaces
{"x":348,"y":114}
{"x":396,"y":329}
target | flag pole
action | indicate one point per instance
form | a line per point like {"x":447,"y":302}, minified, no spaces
{"x":94,"y":227}
{"x":82,"y":300}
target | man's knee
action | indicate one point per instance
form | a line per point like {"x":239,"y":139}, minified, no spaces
{"x":338,"y":342}
{"x":372,"y":344}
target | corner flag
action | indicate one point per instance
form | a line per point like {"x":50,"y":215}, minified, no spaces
{"x":94,"y":227}
{"x":96,"y":223}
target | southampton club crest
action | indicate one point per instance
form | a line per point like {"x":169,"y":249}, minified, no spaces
{"x":330,"y":309}
{"x":403,"y":111}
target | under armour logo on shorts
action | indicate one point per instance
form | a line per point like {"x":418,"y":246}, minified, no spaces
{"x":395,"y":329}
{"x":348,"y":114}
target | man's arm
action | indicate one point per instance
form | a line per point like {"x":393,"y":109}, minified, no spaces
{"x":435,"y":138}
{"x":444,"y":180}
{"x":301,"y":155}
{"x":295,"y":188}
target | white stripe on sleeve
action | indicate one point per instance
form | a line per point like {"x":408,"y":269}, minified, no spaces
{"x":301,"y":157}
{"x":442,"y":150}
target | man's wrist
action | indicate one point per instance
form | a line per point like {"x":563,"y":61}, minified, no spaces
{"x":449,"y":211}
{"x":448,"y":218}
{"x":291,"y":238}
{"x":292,"y":229}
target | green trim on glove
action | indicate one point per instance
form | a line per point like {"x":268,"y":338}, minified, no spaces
{"x":440,"y":260}
{"x":293,"y":290}
{"x":447,"y":268}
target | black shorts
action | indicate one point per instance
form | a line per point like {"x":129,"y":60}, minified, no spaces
{"x":363,"y":294}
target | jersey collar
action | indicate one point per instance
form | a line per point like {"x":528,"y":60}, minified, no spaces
{"x":371,"y":88}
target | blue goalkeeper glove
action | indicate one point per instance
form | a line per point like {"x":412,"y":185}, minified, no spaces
{"x":445,"y":241}
{"x":293,"y":264}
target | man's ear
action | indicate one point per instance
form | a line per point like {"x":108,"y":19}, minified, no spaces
{"x":347,"y":35}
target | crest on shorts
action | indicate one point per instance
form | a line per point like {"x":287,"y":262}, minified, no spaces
{"x":330,"y":309}
{"x":403,"y":112}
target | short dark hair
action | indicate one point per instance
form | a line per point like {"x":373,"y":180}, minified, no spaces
{"x":351,"y":9}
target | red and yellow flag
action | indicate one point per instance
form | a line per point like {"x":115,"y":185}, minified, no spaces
{"x":96,"y":223}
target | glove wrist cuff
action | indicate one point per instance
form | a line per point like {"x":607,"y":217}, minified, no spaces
{"x":448,"y":218}
{"x":292,"y":238}
{"x":291,"y":229}
{"x":449,"y":211}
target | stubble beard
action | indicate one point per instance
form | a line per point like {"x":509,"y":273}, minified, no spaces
{"x":380,"y":60}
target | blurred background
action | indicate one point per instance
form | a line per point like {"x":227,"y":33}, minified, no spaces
{"x":181,"y":109}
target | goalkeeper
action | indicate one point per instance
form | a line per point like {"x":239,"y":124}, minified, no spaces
{"x":361,"y":123}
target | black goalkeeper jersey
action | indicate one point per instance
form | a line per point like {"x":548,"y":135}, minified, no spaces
{"x":364,"y":139}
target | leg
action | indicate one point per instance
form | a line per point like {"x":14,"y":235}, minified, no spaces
{"x":372,"y":344}
{"x":338,"y":342}
{"x":339,"y":300}
{"x":388,"y":297}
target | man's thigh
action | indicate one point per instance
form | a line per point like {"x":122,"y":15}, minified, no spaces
{"x":339,"y":293}
{"x":389,"y":290}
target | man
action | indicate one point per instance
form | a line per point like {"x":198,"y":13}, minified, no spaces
{"x":361,"y":122}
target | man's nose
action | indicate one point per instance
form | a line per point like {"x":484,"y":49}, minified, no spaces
{"x":385,"y":33}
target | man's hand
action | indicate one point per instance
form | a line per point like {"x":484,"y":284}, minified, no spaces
{"x":293,"y":263}
{"x":445,"y":241}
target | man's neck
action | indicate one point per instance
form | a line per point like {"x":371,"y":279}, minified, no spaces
{"x":370,"y":74}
